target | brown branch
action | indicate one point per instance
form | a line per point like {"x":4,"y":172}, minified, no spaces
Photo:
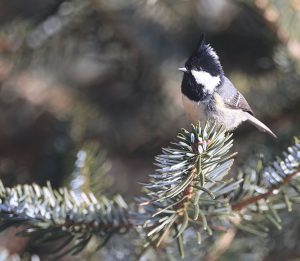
{"x":244,"y":203}
{"x":188,"y":193}
{"x":221,"y":245}
{"x":223,"y":242}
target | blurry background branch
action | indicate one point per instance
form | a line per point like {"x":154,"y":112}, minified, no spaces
{"x":48,"y":215}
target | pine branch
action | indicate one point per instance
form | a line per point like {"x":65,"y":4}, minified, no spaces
{"x":188,"y":188}
{"x":268,"y":190}
{"x":252,"y":200}
{"x":47,"y":214}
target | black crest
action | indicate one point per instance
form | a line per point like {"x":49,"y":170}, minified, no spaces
{"x":201,"y":44}
{"x":204,"y":58}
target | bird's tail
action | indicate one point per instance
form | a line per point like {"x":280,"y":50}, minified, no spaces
{"x":258,"y":124}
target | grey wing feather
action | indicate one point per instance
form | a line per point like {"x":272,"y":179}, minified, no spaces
{"x":232,"y":97}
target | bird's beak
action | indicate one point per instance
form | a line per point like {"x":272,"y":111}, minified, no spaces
{"x":182,"y":69}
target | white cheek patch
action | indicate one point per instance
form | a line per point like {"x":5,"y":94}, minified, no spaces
{"x":208,"y":81}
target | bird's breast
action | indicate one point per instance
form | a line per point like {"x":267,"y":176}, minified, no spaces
{"x":195,"y":110}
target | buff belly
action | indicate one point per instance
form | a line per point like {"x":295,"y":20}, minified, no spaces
{"x":229,"y":118}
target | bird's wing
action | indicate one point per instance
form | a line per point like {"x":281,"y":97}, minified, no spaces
{"x":238,"y":102}
{"x":232,"y":97}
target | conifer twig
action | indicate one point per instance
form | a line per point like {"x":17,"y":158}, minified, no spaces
{"x":252,"y":200}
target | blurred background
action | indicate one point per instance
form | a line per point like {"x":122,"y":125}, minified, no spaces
{"x":105,"y":73}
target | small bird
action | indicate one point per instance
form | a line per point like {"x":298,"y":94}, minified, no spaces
{"x":208,"y":94}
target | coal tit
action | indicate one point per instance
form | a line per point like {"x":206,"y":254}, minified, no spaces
{"x":208,"y":94}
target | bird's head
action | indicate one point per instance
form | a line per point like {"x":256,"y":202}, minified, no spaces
{"x":203,"y":73}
